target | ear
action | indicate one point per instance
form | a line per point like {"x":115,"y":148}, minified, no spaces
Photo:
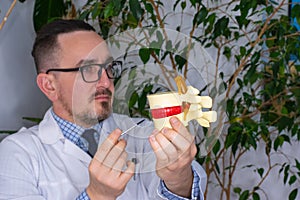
{"x":46,"y":83}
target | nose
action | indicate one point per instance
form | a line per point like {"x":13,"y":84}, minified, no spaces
{"x":104,"y":81}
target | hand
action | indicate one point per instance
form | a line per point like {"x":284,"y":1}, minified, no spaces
{"x":107,"y":180}
{"x":175,"y":150}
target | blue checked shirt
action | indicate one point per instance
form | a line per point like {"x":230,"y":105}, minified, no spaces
{"x":73,"y":133}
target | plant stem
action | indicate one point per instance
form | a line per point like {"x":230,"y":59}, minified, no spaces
{"x":8,"y":13}
{"x":253,"y":44}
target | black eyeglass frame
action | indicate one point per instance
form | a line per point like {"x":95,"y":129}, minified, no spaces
{"x":104,"y":66}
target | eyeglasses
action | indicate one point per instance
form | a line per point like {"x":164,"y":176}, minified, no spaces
{"x":92,"y":72}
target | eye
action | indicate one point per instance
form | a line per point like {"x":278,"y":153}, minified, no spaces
{"x":91,"y":69}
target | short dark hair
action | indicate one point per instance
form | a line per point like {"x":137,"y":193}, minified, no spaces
{"x":45,"y":47}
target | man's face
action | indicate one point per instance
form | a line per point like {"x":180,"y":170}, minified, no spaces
{"x":80,"y":102}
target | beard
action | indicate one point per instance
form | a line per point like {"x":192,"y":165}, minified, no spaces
{"x":89,"y":116}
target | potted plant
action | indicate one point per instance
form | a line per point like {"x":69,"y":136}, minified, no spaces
{"x":255,"y":50}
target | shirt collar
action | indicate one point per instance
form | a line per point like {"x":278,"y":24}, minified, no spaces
{"x":72,"y":131}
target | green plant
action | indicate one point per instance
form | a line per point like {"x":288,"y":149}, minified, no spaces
{"x":252,"y":43}
{"x":261,"y":92}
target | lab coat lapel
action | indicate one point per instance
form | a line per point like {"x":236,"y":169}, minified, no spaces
{"x":50,"y":133}
{"x":73,"y":150}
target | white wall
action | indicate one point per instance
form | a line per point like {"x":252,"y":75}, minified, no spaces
{"x":20,"y":96}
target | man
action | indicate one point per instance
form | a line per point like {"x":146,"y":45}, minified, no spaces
{"x":51,"y":160}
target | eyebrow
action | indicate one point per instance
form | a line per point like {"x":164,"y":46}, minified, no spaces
{"x":92,"y":61}
{"x":85,"y":62}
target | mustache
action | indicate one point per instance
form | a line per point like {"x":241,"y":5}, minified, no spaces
{"x":104,"y":91}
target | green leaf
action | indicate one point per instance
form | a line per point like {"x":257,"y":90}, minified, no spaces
{"x":251,"y":75}
{"x":148,"y":88}
{"x":286,"y":174}
{"x":180,"y":60}
{"x":33,"y":119}
{"x":149,"y":8}
{"x":222,"y":87}
{"x":284,"y":138}
{"x":84,"y":15}
{"x":155,"y":46}
{"x":234,"y":136}
{"x":255,"y":196}
{"x":160,"y":39}
{"x":230,"y":107}
{"x":283,"y":123}
{"x":8,"y":131}
{"x":244,"y":195}
{"x":278,"y":142}
{"x":243,"y":50}
{"x":292,"y":180}
{"x":169,"y":45}
{"x":217,"y":166}
{"x":295,"y":11}
{"x":133,"y":99}
{"x":193,"y":2}
{"x":255,"y":58}
{"x":142,"y":101}
{"x":175,"y":5}
{"x":293,"y":194}
{"x":260,"y":171}
{"x":97,"y":8}
{"x":118,"y":5}
{"x":221,"y":28}
{"x":200,"y":16}
{"x":237,"y":190}
{"x":216,"y":147}
{"x":297,"y":164}
{"x":109,"y":10}
{"x":227,"y":52}
{"x":144,"y":54}
{"x":132,"y":74}
{"x":136,"y":9}
{"x":295,"y":129}
{"x":183,"y":5}
{"x":46,"y":11}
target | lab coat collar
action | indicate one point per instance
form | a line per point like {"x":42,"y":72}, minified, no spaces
{"x":50,"y":133}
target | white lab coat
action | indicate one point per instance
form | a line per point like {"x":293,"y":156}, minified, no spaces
{"x":39,"y":163}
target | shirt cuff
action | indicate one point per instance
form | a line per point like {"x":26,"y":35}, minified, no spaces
{"x":83,"y":196}
{"x":196,"y":192}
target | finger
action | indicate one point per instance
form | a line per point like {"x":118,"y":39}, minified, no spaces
{"x":181,"y":129}
{"x":114,"y":153}
{"x":120,"y":163}
{"x":107,"y":145}
{"x":179,"y":142}
{"x":162,"y":158}
{"x":168,"y":148}
{"x":128,"y":173}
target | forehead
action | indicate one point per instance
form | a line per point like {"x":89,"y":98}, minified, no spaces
{"x":79,"y":46}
